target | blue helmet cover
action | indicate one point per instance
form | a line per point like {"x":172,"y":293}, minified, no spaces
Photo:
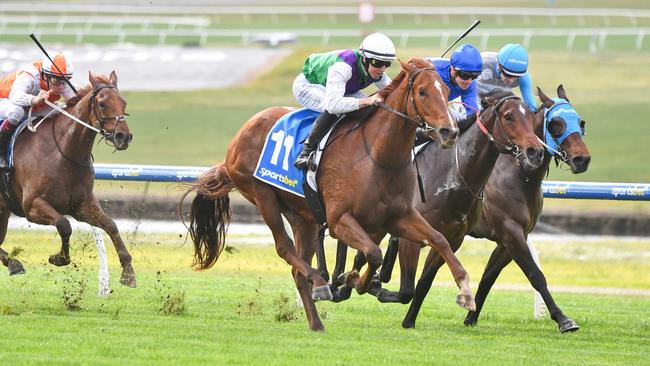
{"x":561,"y":108}
{"x":513,"y":59}
{"x":467,"y":58}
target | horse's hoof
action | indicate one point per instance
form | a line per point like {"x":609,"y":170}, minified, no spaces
{"x":321,"y":293}
{"x":351,"y":279}
{"x":374,"y":287}
{"x":389,"y":296}
{"x":342,"y":293}
{"x":15,"y":267}
{"x":471,"y":319}
{"x":466,"y":301}
{"x":568,"y":325}
{"x":59,"y":260}
{"x":408,"y":324}
{"x":128,"y":280}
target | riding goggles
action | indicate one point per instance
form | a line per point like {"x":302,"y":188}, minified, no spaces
{"x":55,"y":80}
{"x":467,"y":75}
{"x":379,"y":63}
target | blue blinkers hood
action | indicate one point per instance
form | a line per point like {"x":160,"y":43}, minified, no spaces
{"x":564,"y":110}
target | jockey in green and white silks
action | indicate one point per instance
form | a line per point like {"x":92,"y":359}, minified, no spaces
{"x":331,"y":83}
{"x":507,"y":69}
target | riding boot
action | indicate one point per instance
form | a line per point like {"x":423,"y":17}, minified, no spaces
{"x":318,"y":131}
{"x":6,"y":131}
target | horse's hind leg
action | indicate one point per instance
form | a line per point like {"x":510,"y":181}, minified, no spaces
{"x":41,"y":212}
{"x":497,"y":262}
{"x":92,"y":213}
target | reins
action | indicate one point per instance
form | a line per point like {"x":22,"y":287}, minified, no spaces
{"x":101,"y":120}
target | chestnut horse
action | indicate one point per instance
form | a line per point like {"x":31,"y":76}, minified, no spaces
{"x":53,"y":171}
{"x":356,"y":179}
{"x":513,"y":205}
{"x":454,"y":180}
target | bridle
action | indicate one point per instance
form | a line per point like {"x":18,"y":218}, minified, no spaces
{"x":101,"y":120}
{"x":418,"y":120}
{"x":508,"y":146}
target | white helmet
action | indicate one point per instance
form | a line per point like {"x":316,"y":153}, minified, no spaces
{"x":62,"y":66}
{"x":378,"y":46}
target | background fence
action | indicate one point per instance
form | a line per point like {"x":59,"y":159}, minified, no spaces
{"x":551,"y":189}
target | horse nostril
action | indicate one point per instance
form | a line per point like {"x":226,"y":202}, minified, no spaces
{"x":581,"y":160}
{"x":444,"y":134}
{"x":534,"y":153}
{"x":119,"y":137}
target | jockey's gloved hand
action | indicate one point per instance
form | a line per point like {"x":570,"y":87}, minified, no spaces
{"x":466,"y":123}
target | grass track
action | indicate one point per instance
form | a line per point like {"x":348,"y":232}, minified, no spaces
{"x":231,"y":311}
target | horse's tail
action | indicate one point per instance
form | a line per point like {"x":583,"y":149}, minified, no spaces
{"x":209,"y":215}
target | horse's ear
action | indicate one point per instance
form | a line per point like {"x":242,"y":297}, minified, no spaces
{"x":548,"y":103}
{"x":406,"y":66}
{"x":582,"y":127}
{"x":562,"y":93}
{"x":91,"y":78}
{"x":113,"y":78}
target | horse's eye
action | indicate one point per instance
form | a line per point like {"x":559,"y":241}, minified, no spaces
{"x":508,"y":116}
{"x":101,"y":104}
{"x":422,"y":92}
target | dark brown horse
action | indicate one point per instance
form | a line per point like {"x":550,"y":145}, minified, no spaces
{"x":54,"y":175}
{"x":454,"y":179}
{"x":357,"y":181}
{"x":513,"y":205}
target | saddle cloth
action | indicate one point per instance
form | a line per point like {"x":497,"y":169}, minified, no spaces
{"x":281,"y":148}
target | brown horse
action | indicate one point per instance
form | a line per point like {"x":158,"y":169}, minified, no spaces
{"x":54,"y":175}
{"x":454,"y":180}
{"x":356,"y":178}
{"x":513,"y":205}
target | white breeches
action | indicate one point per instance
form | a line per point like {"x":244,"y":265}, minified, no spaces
{"x":312,"y":96}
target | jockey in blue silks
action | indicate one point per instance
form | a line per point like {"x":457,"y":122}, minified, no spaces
{"x":459,"y":73}
{"x":507,"y":69}
{"x":331,"y":83}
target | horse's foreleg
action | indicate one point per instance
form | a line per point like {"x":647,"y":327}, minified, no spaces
{"x":92,"y":213}
{"x":348,"y":230}
{"x":521,"y":254}
{"x":389,"y":260}
{"x":497,"y":262}
{"x":413,"y":227}
{"x":41,"y":212}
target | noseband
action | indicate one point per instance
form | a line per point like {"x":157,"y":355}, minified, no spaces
{"x":101,"y":120}
{"x":419,"y":122}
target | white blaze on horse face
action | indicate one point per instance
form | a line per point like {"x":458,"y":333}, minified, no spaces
{"x":439,"y":87}
{"x":522,"y":110}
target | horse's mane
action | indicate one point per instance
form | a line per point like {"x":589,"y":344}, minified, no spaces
{"x":414,"y":61}
{"x":495,"y":95}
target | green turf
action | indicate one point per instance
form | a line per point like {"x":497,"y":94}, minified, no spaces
{"x":241,"y":311}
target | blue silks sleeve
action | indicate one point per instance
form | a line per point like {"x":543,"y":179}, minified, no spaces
{"x":526,"y":89}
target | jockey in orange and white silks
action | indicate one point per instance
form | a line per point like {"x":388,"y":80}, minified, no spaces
{"x":331,"y":83}
{"x":28,"y":87}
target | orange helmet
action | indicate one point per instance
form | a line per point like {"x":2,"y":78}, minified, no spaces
{"x":62,"y":66}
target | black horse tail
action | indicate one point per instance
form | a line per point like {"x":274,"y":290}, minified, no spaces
{"x":209,"y":215}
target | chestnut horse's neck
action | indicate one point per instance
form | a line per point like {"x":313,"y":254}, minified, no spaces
{"x":73,"y":140}
{"x":388,"y":137}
